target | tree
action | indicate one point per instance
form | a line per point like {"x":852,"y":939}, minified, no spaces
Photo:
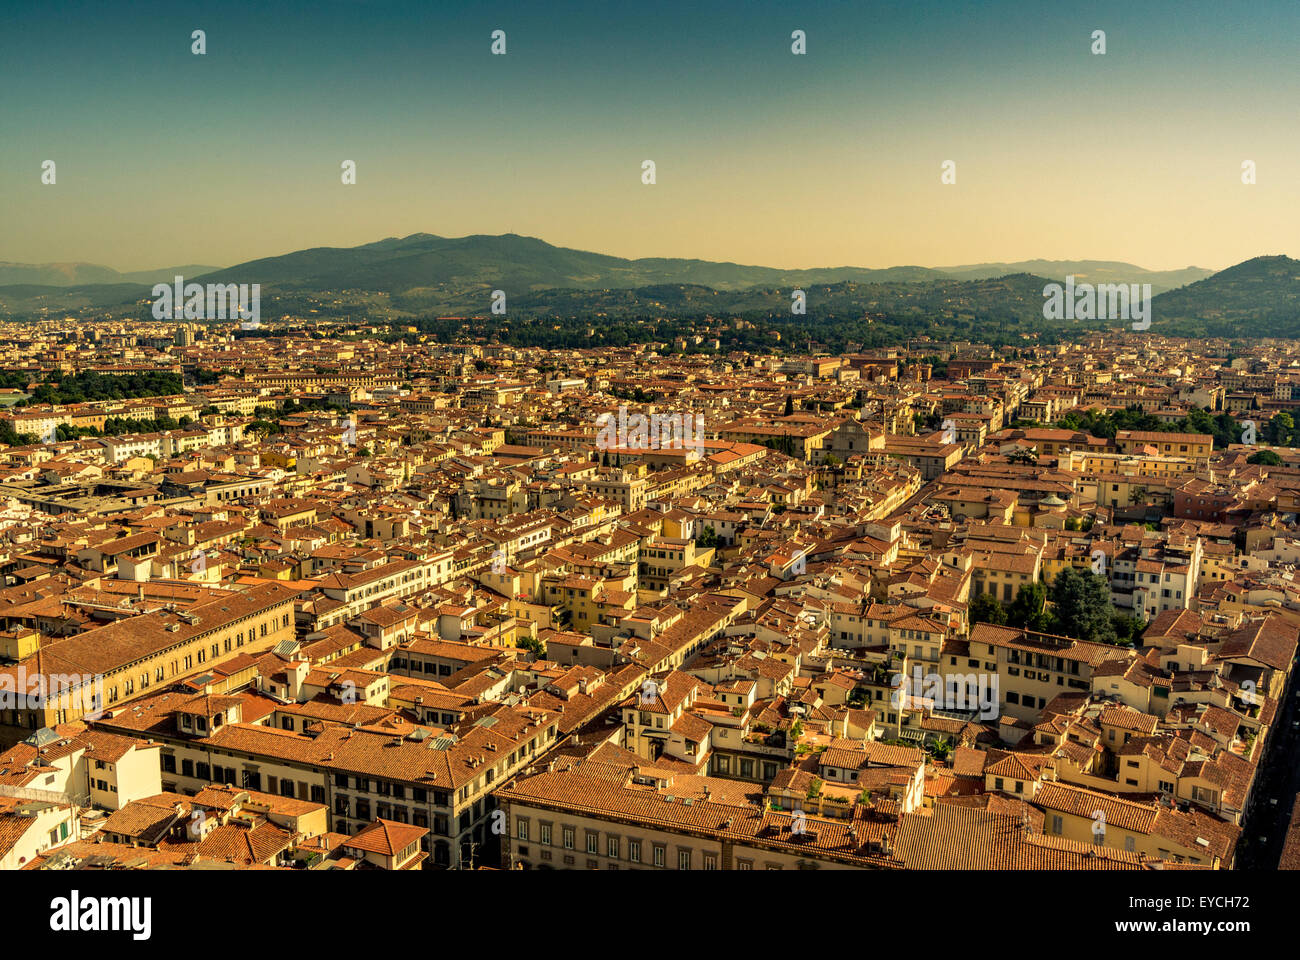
{"x":789,"y":405}
{"x":1280,"y":429}
{"x":1128,"y":630}
{"x":987,"y":608}
{"x":1081,"y":606}
{"x":1266,"y":458}
{"x":1028,"y":609}
{"x":707,"y":538}
{"x":1199,"y":421}
{"x":533,"y":644}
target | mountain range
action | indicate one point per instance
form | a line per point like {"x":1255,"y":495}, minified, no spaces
{"x":423,"y":259}
{"x":424,"y":274}
{"x":81,"y":274}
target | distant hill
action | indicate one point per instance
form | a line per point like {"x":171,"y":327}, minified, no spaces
{"x":424,"y":275}
{"x":1084,"y":271}
{"x":1259,"y":298}
{"x":464,"y":265}
{"x":526,"y":264}
{"x":512,"y":262}
{"x":81,"y":274}
{"x":55,"y":274}
{"x":28,"y":299}
{"x":168,"y":274}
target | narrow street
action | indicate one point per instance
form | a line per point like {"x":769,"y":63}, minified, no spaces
{"x":1264,"y":830}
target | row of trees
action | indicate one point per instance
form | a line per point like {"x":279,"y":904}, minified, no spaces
{"x":1080,"y":608}
{"x":83,"y":387}
{"x":1226,"y":429}
{"x":113,"y":427}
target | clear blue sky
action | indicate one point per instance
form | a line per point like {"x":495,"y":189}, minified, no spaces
{"x":762,"y":157}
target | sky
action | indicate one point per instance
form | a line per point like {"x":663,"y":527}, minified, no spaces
{"x":761,"y":156}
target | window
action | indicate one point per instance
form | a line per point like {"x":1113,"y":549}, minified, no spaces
{"x":568,"y":838}
{"x":683,"y":859}
{"x":593,"y":839}
{"x":611,"y":847}
{"x":661,"y":854}
{"x":634,"y":850}
{"x":544,"y":831}
{"x":521,"y":828}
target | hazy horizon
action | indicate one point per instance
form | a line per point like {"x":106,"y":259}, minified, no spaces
{"x":777,"y":266}
{"x":832,"y":158}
